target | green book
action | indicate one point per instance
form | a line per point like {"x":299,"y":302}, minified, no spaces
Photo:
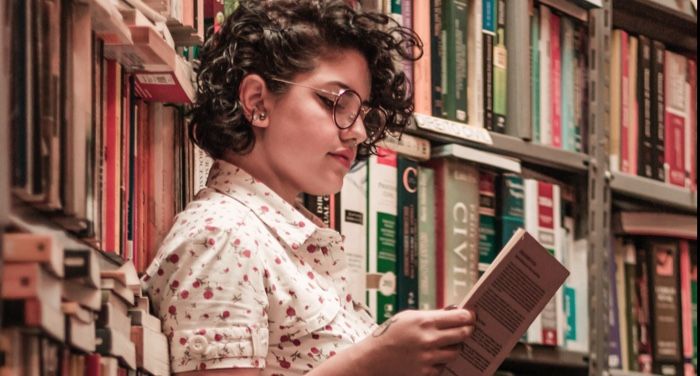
{"x":500,"y":71}
{"x":511,"y":210}
{"x":454,"y":59}
{"x":535,"y":72}
{"x":381,"y":239}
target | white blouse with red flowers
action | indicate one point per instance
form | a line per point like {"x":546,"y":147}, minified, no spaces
{"x":244,"y":279}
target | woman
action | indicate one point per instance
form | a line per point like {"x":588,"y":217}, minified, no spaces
{"x":247,"y":282}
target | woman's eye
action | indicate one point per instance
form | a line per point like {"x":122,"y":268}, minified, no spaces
{"x":326,"y":102}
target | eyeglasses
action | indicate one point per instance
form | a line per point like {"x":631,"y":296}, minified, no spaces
{"x":347,"y":107}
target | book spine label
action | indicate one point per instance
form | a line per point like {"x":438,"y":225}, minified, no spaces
{"x":692,"y":128}
{"x":426,"y":239}
{"x":406,"y":237}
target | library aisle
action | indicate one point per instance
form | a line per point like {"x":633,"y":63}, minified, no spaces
{"x":575,"y":120}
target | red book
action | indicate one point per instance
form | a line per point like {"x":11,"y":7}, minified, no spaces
{"x":112,"y":157}
{"x":555,"y":79}
{"x":692,"y":138}
{"x":92,"y":364}
{"x":676,"y":112}
{"x":626,"y":121}
{"x":686,"y":302}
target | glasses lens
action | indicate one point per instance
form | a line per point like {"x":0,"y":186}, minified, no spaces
{"x":347,"y":108}
{"x":375,"y":122}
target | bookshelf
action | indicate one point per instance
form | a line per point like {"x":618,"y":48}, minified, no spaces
{"x":601,"y":189}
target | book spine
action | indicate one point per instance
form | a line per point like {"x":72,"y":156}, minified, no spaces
{"x":568,"y":122}
{"x":535,"y":52}
{"x":686,"y":306}
{"x":488,"y":39}
{"x":634,"y":104}
{"x":500,"y":71}
{"x":615,"y":353}
{"x":439,"y":167}
{"x":381,"y":209}
{"x":631,"y":306}
{"x":644,"y":347}
{"x":665,"y":308}
{"x":488,"y":236}
{"x":353,"y":226}
{"x":555,"y":79}
{"x":422,"y":67}
{"x":619,"y":255}
{"x":406,"y":9}
{"x":407,"y":232}
{"x":455,"y":53}
{"x":320,"y":206}
{"x":692,"y":128}
{"x":646,"y":147}
{"x":511,"y":204}
{"x":658,"y":109}
{"x":616,"y":102}
{"x":675,"y":119}
{"x":694,"y":301}
{"x":437,"y":46}
{"x":581,"y":112}
{"x":625,"y":103}
{"x":545,"y":95}
{"x":426,"y":238}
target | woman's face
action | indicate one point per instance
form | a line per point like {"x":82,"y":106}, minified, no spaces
{"x":302,"y":145}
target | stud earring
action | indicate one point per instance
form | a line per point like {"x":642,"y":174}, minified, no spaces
{"x":262,"y":116}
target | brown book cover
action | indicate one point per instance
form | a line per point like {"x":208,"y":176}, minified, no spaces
{"x":39,"y":248}
{"x":513,"y":291}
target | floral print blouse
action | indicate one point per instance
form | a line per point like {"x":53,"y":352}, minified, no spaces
{"x":244,"y":279}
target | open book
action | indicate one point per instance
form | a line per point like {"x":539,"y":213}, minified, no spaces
{"x":506,"y":300}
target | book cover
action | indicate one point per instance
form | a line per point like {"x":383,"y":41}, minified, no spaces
{"x":353,"y":226}
{"x":426,"y":238}
{"x":456,"y":228}
{"x":500,"y":71}
{"x":381,"y":239}
{"x":407,"y":233}
{"x":524,"y":277}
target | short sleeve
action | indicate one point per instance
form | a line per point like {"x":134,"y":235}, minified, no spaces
{"x":209,"y":292}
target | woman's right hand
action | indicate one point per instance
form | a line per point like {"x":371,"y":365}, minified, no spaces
{"x":417,"y":343}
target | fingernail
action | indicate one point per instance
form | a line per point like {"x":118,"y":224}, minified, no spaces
{"x":450,"y":307}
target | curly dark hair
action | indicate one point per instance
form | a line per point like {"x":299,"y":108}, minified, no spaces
{"x":282,"y":38}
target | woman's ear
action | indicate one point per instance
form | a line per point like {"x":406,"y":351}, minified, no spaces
{"x":255,"y":100}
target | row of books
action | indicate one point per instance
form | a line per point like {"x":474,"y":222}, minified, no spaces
{"x":422,"y":226}
{"x":464,"y":70}
{"x":93,"y":145}
{"x":654,"y":305}
{"x":653,"y":127}
{"x":69,"y":307}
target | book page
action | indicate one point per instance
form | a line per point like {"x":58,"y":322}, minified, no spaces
{"x":507,"y":298}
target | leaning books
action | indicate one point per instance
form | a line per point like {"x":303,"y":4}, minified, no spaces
{"x":506,"y":299}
